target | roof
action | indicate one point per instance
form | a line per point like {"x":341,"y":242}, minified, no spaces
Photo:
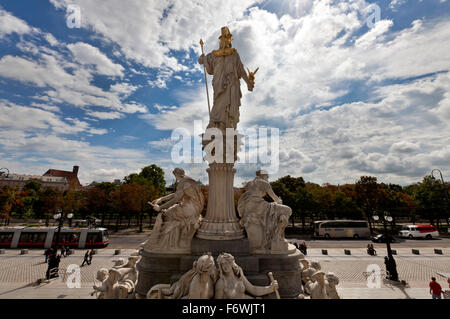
{"x":19,"y":177}
{"x":71,"y":177}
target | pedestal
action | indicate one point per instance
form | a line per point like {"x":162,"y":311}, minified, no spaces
{"x":220,"y":222}
{"x":166,"y":269}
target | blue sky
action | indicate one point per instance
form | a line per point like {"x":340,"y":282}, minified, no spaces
{"x":349,"y":99}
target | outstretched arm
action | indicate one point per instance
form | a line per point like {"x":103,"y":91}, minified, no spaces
{"x":259,"y":291}
{"x":272,"y":195}
{"x":175,"y":198}
{"x":243,"y":74}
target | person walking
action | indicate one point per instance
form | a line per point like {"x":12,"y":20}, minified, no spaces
{"x":63,"y":251}
{"x":303,"y":248}
{"x":67,"y":250}
{"x":86,"y":258}
{"x":46,"y":254}
{"x":435,"y":289}
{"x":91,"y":253}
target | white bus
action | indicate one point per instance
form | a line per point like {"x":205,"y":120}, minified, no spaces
{"x":341,"y":229}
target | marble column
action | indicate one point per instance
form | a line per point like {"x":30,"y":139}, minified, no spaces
{"x":220,"y":222}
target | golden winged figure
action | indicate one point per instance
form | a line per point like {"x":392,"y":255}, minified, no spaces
{"x":251,"y":75}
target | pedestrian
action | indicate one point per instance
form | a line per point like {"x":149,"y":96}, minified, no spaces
{"x":435,"y":289}
{"x":67,"y":250}
{"x":90,"y":256}
{"x":86,"y":258}
{"x":303,"y":248}
{"x":63,"y":251}
{"x":46,"y":254}
{"x":53,"y":266}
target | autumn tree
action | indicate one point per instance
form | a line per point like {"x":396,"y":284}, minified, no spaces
{"x":7,"y":201}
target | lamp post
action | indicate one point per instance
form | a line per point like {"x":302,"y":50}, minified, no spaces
{"x":60,"y":217}
{"x":1,"y":173}
{"x":445,"y":190}
{"x":390,"y":263}
{"x":53,"y":263}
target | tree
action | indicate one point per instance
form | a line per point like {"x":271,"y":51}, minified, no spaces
{"x":7,"y":201}
{"x":50,"y":201}
{"x":367,"y":196}
{"x":152,"y":175}
{"x":431,"y":202}
{"x":293,"y":193}
{"x":133,"y":198}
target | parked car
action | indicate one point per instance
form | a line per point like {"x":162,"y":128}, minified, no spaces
{"x":381,"y":238}
{"x":419,"y":231}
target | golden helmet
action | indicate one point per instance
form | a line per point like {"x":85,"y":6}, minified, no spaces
{"x":225,"y":33}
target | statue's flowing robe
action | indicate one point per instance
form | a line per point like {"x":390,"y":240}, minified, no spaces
{"x":180,"y":220}
{"x":227,"y":71}
{"x":254,"y":209}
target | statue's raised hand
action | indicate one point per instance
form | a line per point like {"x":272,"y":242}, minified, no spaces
{"x":201,"y":59}
{"x":274,"y":285}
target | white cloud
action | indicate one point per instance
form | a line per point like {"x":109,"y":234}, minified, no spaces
{"x":88,"y":55}
{"x":105,"y":115}
{"x":148,"y":30}
{"x":33,"y":120}
{"x":404,"y":147}
{"x":10,"y":24}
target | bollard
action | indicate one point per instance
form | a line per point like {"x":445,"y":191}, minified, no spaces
{"x":117,"y":252}
{"x":2,"y":251}
{"x":394,"y":252}
{"x":415,"y":252}
{"x":24,"y":251}
{"x":347,"y":251}
{"x":438,"y":251}
{"x":324,"y":252}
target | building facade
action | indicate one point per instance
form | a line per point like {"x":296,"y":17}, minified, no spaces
{"x":18,"y":181}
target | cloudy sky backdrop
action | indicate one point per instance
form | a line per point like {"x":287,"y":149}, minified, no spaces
{"x":350,"y":98}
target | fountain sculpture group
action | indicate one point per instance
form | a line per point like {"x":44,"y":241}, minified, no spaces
{"x":219,"y":255}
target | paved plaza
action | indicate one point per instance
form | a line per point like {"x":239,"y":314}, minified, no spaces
{"x":19,"y":273}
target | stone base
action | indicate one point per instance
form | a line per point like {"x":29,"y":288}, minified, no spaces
{"x":168,"y":268}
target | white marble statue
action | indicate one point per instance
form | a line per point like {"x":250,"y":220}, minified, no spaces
{"x":232,"y":284}
{"x":205,"y":281}
{"x":112,"y":286}
{"x":118,"y":282}
{"x":129,"y":280}
{"x":316,"y":265}
{"x":197,"y":283}
{"x":317,"y":286}
{"x":331,"y":282}
{"x":307,"y":274}
{"x":227,"y":69}
{"x":102,"y":275}
{"x":118,"y":262}
{"x":179,"y":217}
{"x":264,"y":222}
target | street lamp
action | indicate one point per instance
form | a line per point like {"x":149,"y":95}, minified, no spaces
{"x":54,"y":259}
{"x":60,"y":217}
{"x":1,"y":173}
{"x":390,"y":262}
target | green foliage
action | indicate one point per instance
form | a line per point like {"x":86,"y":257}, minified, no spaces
{"x":151,"y":176}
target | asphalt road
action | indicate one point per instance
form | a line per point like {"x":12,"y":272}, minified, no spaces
{"x":133,"y":241}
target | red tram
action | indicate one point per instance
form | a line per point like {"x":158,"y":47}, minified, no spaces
{"x":44,"y":237}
